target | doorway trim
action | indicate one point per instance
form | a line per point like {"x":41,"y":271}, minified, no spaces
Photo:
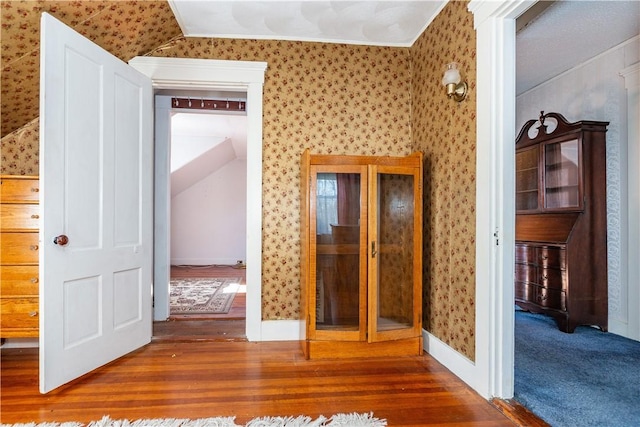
{"x":495,"y":183}
{"x":211,"y":74}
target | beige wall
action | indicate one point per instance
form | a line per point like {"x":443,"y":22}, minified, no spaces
{"x":445,"y":131}
{"x":345,"y":99}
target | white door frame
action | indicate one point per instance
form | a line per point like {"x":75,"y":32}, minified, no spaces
{"x":495,"y":186}
{"x":209,"y":74}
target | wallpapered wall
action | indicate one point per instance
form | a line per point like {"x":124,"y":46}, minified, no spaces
{"x":331,"y":98}
{"x":345,"y":99}
{"x":445,"y":131}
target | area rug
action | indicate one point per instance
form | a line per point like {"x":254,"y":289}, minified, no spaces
{"x":202,"y":295}
{"x":338,"y":420}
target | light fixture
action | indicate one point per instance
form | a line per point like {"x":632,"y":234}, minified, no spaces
{"x":456,"y":87}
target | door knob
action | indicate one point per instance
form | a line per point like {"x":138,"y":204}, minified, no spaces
{"x":61,"y":240}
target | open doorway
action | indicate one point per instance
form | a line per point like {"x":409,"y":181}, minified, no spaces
{"x":208,"y":212}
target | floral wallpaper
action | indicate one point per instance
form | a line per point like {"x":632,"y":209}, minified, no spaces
{"x":124,"y":28}
{"x":331,"y":98}
{"x":445,"y":131}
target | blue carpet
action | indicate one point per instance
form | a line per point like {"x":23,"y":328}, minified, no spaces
{"x":588,"y":378}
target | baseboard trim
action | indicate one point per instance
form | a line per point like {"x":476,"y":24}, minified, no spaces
{"x":205,"y":261}
{"x":281,"y":330}
{"x":21,"y":343}
{"x":458,"y":364}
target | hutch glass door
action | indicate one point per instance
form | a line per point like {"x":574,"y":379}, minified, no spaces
{"x":562,"y":175}
{"x":527,"y":179}
{"x":393,"y":281}
{"x":339,"y":240}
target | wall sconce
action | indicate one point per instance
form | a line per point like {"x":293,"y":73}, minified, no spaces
{"x":452,"y":80}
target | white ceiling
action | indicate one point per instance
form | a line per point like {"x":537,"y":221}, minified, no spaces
{"x":386,"y":23}
{"x":568,"y":33}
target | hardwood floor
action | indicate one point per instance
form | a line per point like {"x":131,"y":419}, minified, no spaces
{"x":204,"y":368}
{"x":212,"y":327}
{"x":246,"y":380}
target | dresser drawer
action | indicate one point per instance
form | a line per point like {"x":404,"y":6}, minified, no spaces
{"x":526,"y":273}
{"x":552,"y":298}
{"x":18,"y":189}
{"x":549,"y":256}
{"x":20,"y":217}
{"x":553,"y":278}
{"x":19,"y":280}
{"x":526,"y":254}
{"x":19,"y":313}
{"x":527,"y":292}
{"x":19,"y":248}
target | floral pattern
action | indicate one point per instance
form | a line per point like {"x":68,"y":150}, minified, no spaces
{"x":124,"y":28}
{"x":445,"y":131}
{"x":331,"y":98}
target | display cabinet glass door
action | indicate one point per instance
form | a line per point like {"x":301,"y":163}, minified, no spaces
{"x":338,"y":242}
{"x":562,"y":175}
{"x":394,"y":253}
{"x":527,"y":179}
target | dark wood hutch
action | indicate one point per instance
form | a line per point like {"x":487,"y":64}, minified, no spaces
{"x":561,"y":221}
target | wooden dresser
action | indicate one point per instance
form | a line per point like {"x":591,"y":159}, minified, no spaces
{"x":561,"y":221}
{"x":20,"y":216}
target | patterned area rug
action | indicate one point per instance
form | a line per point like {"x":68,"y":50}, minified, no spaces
{"x":202,"y":295}
{"x":338,"y":420}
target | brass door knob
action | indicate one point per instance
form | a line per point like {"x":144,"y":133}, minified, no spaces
{"x":61,"y":240}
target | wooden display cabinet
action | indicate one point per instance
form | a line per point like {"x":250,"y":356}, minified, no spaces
{"x":561,"y":221}
{"x":361,"y":255}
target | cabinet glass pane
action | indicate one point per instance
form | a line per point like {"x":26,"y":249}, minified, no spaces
{"x":527,"y":179}
{"x":338,"y":251}
{"x":561,"y":186}
{"x":395,"y":251}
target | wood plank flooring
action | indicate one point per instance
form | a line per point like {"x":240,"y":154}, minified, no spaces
{"x":246,"y":380}
{"x":212,"y":327}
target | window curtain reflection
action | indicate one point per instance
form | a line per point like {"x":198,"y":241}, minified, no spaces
{"x":327,"y":202}
{"x":348,"y":198}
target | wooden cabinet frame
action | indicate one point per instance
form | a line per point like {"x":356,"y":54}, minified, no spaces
{"x":365,"y":336}
{"x":573,"y":229}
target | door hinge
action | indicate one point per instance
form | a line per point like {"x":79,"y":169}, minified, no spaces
{"x":496,"y":234}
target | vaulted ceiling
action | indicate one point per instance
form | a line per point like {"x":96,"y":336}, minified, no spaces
{"x":124,"y":28}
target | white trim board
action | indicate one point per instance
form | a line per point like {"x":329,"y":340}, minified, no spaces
{"x":210,"y":74}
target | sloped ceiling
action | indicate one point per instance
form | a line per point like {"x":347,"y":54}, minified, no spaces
{"x":386,"y":23}
{"x":564,"y":35}
{"x":124,"y":28}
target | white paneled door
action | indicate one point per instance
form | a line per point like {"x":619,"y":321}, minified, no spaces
{"x":96,"y":171}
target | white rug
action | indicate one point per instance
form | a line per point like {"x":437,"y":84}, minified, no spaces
{"x":344,"y":420}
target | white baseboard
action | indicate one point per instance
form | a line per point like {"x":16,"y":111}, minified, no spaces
{"x":281,"y":330}
{"x":205,"y":261}
{"x":458,"y":364}
{"x":21,"y":343}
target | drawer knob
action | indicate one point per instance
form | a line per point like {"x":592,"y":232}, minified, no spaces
{"x":61,"y":240}
{"x":33,"y":313}
{"x":35,"y":190}
{"x":33,"y":247}
{"x":34,"y":280}
{"x":35,"y":216}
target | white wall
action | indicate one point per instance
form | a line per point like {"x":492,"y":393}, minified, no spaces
{"x":595,"y":90}
{"x":208,"y":220}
